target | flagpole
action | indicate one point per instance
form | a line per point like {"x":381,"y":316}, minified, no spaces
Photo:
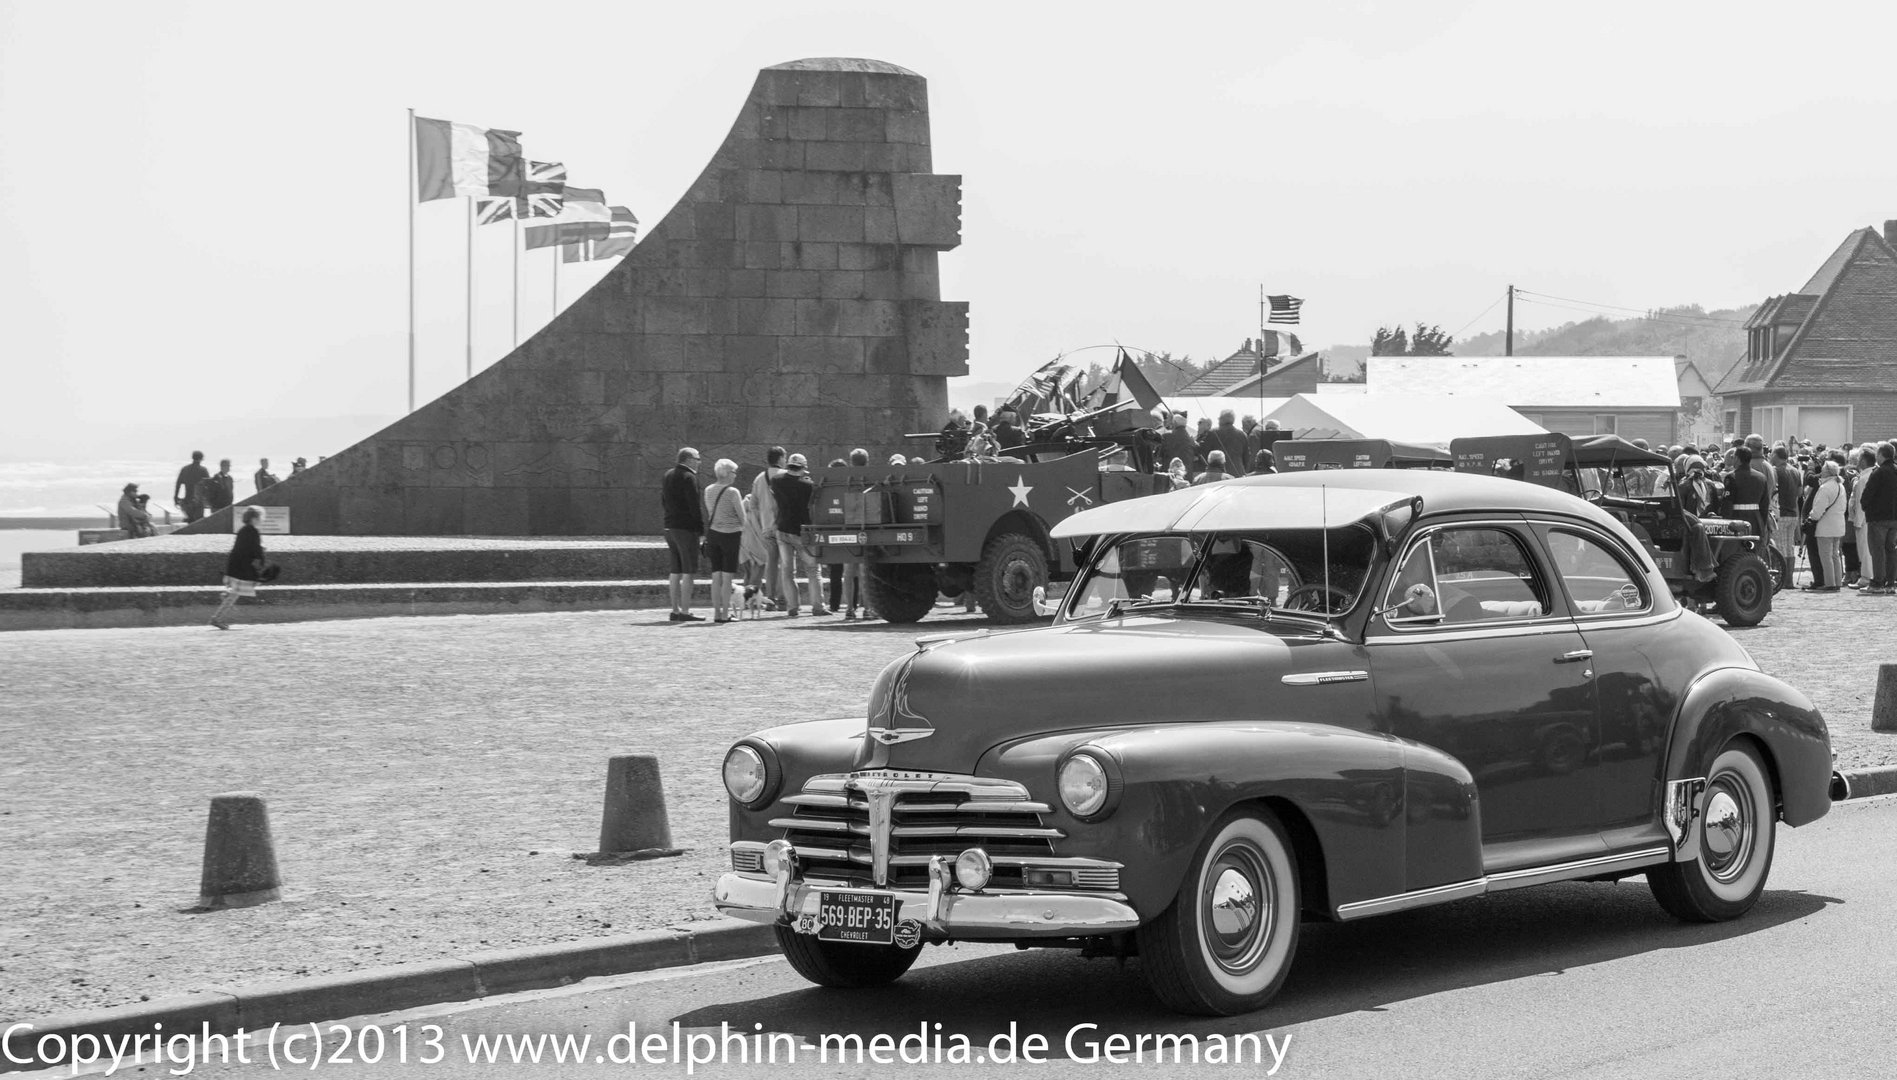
{"x":470,"y":333}
{"x":412,"y":199}
{"x":559,"y":256}
{"x":516,"y":291}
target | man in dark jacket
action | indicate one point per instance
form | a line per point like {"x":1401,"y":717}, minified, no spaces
{"x":1177,"y":443}
{"x":1007,"y":435}
{"x":1233,"y":443}
{"x":793,"y":490}
{"x":1880,"y":521}
{"x":1749,"y":494}
{"x":219,"y":488}
{"x":184,"y":493}
{"x":684,"y":526}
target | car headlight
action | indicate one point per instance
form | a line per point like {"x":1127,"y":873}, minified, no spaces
{"x":1084,"y":785}
{"x":973,"y":869}
{"x":747,"y":777}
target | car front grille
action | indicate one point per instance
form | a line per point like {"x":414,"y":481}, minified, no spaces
{"x":847,"y":827}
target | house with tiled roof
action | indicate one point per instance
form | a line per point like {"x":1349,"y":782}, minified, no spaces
{"x":1240,"y":374}
{"x":1821,"y":363}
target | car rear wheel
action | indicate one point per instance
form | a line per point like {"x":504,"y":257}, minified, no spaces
{"x":1743,"y":591}
{"x":1226,"y":943}
{"x":1011,"y":566}
{"x":1736,"y":838}
{"x":900,"y":592}
{"x":843,"y":965}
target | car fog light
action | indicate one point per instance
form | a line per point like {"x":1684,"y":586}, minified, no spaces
{"x":745,"y":775}
{"x":1083,"y":785}
{"x":973,"y":868}
{"x":778,"y":854}
{"x":1056,"y":879}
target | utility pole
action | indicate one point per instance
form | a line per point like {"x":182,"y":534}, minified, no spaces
{"x":1508,"y":345}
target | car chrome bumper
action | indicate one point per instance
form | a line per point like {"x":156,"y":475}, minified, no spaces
{"x":942,"y":912}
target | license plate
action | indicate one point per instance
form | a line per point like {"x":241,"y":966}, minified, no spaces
{"x":865,"y":917}
{"x":844,"y":538}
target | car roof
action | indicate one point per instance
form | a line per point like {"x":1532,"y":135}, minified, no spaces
{"x":1442,"y":493}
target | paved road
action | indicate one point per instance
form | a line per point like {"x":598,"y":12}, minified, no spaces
{"x":1574,"y":980}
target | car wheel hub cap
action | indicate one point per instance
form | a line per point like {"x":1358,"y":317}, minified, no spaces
{"x":1728,"y":832}
{"x":1237,"y":915}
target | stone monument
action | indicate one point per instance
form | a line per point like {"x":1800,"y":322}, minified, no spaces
{"x":790,"y":298}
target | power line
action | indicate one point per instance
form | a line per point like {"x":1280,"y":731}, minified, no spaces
{"x":1651,"y":313}
{"x":1478,"y":318}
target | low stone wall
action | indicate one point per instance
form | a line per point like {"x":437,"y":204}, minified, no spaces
{"x":73,"y":609}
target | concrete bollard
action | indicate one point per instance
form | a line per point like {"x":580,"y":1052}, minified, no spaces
{"x":633,"y":824}
{"x":240,"y":860}
{"x":1884,"y":708}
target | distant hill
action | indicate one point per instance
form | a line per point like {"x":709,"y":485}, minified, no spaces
{"x":1713,"y":347}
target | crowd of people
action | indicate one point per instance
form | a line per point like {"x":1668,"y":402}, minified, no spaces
{"x":1215,"y":452}
{"x":1835,"y":506}
{"x":196,"y":492}
{"x":753,"y":539}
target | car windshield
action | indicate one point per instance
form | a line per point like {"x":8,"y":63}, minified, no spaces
{"x":1289,"y":569}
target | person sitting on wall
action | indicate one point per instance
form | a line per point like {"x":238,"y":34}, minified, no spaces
{"x":133,"y":517}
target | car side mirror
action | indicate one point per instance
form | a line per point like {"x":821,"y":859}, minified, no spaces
{"x":1041,"y":606}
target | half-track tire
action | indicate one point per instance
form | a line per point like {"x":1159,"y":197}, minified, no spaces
{"x":900,"y":592}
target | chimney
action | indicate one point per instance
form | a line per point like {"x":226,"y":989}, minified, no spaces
{"x":1890,"y":233}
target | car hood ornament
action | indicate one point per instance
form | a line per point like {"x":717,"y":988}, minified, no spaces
{"x":891,"y":721}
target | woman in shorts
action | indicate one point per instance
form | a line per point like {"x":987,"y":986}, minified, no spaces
{"x":724,"y":534}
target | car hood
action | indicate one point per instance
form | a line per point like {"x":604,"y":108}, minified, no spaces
{"x":942,"y":707}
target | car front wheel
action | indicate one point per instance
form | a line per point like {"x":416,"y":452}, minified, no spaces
{"x":1736,"y":835}
{"x":842,"y":964}
{"x":1226,"y":943}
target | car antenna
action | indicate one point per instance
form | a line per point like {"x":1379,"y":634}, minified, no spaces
{"x":1324,"y":536}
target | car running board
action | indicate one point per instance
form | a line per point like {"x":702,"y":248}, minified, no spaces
{"x":1502,"y":882}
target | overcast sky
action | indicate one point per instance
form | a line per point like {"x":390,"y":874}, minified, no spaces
{"x":203,"y":206}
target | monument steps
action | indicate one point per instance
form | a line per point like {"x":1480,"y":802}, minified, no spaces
{"x":191,"y":605}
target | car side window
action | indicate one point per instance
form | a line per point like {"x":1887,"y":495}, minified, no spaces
{"x":1466,"y":574}
{"x":1598,"y":581}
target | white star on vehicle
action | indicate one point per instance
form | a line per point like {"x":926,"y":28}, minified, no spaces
{"x":1021,"y":489}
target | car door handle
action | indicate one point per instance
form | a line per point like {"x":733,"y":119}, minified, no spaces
{"x":1575,"y":657}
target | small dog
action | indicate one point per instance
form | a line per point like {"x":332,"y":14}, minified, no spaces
{"x":749,"y":602}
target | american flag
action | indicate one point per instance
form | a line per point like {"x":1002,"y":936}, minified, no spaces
{"x":1284,"y":309}
{"x":1049,"y":390}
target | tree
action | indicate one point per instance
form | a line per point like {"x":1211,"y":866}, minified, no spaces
{"x":1430,"y":341}
{"x":1427,"y":340}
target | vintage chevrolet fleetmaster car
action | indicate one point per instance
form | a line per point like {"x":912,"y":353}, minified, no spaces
{"x":1325,"y":695}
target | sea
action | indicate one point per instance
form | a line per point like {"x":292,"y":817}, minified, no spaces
{"x":44,"y":504}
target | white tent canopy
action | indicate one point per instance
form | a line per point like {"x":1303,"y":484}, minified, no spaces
{"x":1210,"y":407}
{"x":1412,"y":418}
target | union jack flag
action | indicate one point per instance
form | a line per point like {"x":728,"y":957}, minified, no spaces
{"x":542,"y":194}
{"x":1049,"y":390}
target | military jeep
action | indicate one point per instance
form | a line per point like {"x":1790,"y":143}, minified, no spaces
{"x":1735,"y":577}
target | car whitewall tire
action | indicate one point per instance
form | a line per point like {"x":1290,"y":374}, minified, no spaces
{"x":1226,"y":943}
{"x":1737,"y":833}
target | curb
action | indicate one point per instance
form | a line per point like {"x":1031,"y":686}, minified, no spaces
{"x":1863,"y":783}
{"x":256,"y":1007}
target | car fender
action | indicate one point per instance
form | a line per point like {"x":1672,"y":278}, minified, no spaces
{"x":1384,"y":815}
{"x":1728,"y":702}
{"x":799,"y":751}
